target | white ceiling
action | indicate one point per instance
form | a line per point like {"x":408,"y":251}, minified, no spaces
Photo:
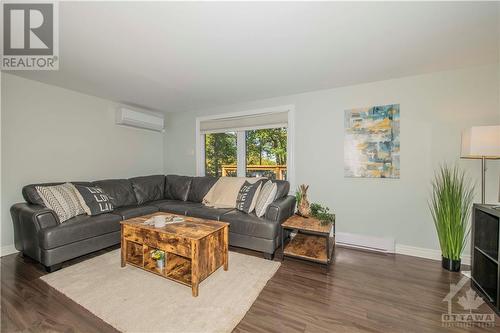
{"x":184,"y":56}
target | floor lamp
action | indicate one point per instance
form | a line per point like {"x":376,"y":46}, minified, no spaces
{"x":481,"y":142}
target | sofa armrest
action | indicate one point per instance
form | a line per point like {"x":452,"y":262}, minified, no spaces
{"x":281,"y":209}
{"x":28,"y":220}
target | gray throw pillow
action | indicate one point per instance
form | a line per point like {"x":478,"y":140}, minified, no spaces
{"x":94,"y":200}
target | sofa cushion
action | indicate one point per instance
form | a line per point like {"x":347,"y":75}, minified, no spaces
{"x":177,"y":187}
{"x":283,"y":188}
{"x":119,"y":190}
{"x":129,"y":212}
{"x":78,"y":228}
{"x":209,"y":213}
{"x":200,"y":187}
{"x":31,"y":195}
{"x":174,"y":206}
{"x":148,"y":188}
{"x":250,"y":224}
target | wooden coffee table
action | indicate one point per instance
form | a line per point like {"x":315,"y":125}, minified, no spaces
{"x":194,"y":249}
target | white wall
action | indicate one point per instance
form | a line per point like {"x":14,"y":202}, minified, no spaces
{"x":434,"y":110}
{"x":53,"y":134}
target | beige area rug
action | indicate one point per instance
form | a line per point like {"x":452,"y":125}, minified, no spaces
{"x":133,"y":300}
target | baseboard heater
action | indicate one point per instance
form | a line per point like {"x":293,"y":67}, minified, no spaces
{"x":370,"y":243}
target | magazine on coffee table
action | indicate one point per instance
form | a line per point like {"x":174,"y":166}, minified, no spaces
{"x":168,"y":219}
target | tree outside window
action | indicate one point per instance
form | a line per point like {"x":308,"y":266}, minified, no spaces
{"x":220,"y":149}
{"x":266,"y":153}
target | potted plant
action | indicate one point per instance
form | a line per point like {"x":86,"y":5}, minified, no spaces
{"x":450,"y":206}
{"x":159,"y":257}
{"x":322,"y":214}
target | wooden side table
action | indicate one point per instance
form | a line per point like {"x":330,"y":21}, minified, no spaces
{"x":313,"y":242}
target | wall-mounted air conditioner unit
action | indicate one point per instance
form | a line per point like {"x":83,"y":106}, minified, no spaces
{"x":143,"y":119}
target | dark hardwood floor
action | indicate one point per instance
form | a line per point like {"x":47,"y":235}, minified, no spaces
{"x":362,"y":292}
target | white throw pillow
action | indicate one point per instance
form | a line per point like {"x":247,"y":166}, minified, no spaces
{"x":224,"y":192}
{"x":62,"y":199}
{"x":254,"y":199}
{"x":266,"y":197}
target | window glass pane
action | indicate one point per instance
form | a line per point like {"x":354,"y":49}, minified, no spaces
{"x":220,"y":154}
{"x":266,"y":153}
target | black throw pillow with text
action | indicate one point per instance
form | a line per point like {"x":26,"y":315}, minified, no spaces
{"x":247,"y":196}
{"x":94,"y":200}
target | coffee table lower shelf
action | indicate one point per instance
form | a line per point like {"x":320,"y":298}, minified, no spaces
{"x":310,"y":247}
{"x":177,"y":268}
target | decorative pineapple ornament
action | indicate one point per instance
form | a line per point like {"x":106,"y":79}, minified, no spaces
{"x":304,"y":206}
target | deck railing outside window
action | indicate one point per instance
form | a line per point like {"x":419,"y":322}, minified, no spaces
{"x":269,"y":171}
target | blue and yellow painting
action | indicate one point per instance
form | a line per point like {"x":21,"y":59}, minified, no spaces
{"x":371,"y":143}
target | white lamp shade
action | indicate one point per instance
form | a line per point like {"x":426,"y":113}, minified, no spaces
{"x":481,"y":141}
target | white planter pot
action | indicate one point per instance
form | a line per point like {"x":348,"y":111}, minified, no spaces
{"x":160,"y":264}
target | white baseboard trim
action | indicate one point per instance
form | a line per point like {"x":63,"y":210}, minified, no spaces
{"x":8,"y":249}
{"x":422,"y":252}
{"x":372,"y":243}
{"x":388,"y":245}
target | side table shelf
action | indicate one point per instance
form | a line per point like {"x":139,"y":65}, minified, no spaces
{"x":313,"y":242}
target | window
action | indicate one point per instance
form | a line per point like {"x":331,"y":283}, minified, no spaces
{"x":220,"y":154}
{"x":251,"y":144}
{"x":266,"y":153}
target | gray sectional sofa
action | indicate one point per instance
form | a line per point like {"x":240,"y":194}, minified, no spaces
{"x":40,"y":235}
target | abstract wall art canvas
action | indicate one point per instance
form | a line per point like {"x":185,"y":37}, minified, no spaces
{"x":371,"y":142}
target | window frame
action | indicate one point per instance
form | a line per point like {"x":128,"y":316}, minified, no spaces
{"x":240,"y":137}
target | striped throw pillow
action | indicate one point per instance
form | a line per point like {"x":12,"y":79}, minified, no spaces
{"x":266,"y":197}
{"x":62,"y":199}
